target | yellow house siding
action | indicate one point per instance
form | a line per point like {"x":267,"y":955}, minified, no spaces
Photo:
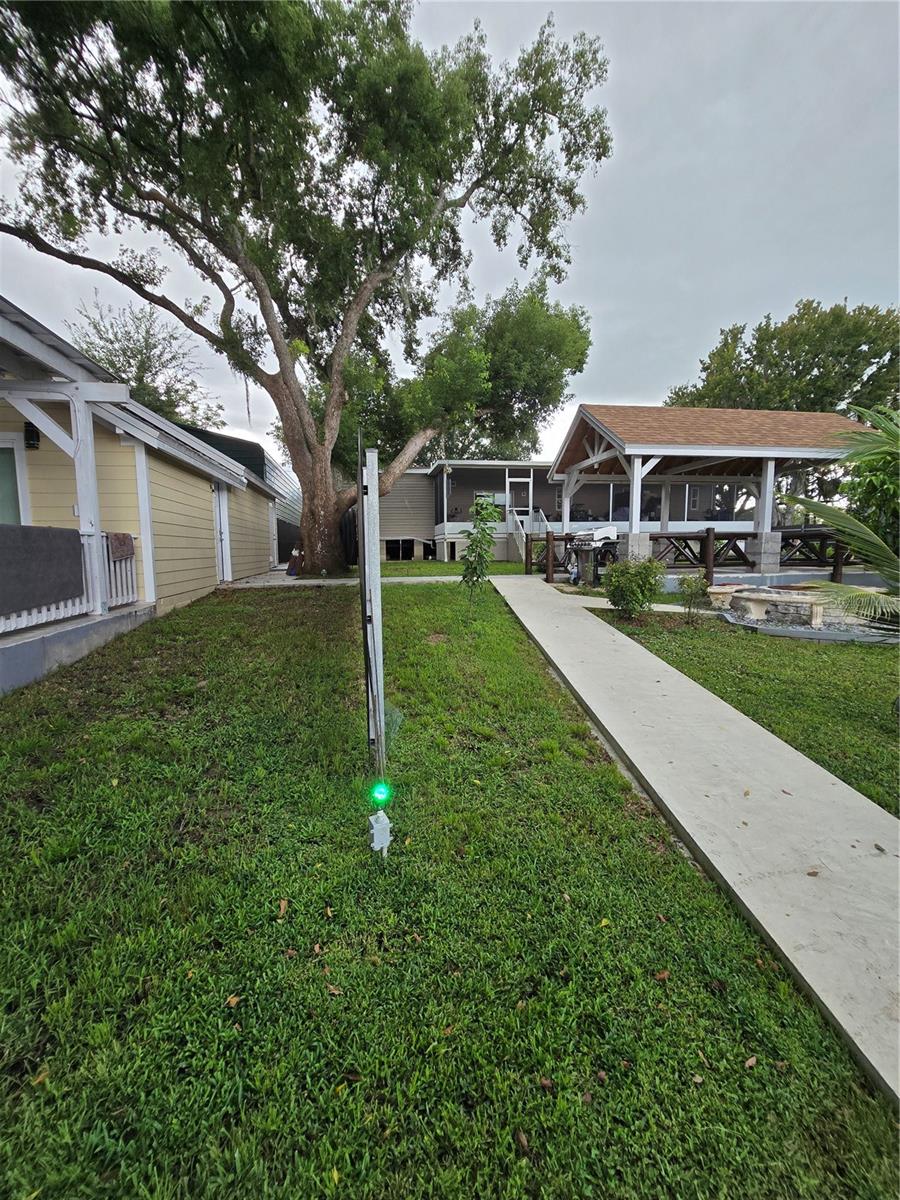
{"x":50,"y":471}
{"x":248,"y":524}
{"x":183,"y":533}
{"x":117,"y":488}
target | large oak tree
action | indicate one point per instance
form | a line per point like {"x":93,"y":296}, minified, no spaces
{"x":313,"y":165}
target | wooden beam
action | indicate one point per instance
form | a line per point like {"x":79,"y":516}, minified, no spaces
{"x":42,"y":420}
{"x":634,"y":498}
{"x":650,"y":464}
{"x":709,"y":555}
{"x":766,"y":506}
{"x":88,"y":500}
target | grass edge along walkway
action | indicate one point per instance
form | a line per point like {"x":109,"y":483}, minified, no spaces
{"x":211,"y":988}
{"x":834,"y":702}
{"x":808,"y":858}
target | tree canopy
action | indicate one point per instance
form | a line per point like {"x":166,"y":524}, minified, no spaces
{"x":816,"y":360}
{"x":155,"y":357}
{"x":312,"y":164}
{"x":488,"y":380}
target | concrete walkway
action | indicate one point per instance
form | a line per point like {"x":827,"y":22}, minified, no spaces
{"x":810,"y":861}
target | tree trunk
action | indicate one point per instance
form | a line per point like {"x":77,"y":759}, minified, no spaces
{"x":320,"y":520}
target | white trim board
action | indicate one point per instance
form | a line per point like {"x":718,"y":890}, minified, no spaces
{"x":145,"y":514}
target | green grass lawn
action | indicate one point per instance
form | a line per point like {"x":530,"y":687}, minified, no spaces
{"x":833,"y":701}
{"x":211,"y":988}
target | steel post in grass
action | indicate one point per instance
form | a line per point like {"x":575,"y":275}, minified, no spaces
{"x":709,"y":555}
{"x":369,"y":537}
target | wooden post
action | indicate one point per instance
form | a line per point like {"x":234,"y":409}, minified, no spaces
{"x":709,"y":554}
{"x":837,"y":570}
{"x":551,"y":565}
{"x":529,"y":551}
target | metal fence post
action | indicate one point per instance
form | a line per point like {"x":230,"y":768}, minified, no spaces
{"x":550,"y":564}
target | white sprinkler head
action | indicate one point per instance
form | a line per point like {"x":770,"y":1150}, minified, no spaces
{"x":379,"y":832}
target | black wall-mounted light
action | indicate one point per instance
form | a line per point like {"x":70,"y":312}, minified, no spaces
{"x":32,"y":436}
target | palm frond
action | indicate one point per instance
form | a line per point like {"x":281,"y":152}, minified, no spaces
{"x":879,"y":438}
{"x":877,"y":607}
{"x":868,"y":547}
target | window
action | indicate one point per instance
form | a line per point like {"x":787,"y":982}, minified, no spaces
{"x":10,"y":485}
{"x":399,"y":549}
{"x":621,"y":502}
{"x":693,"y":499}
{"x":651,"y":502}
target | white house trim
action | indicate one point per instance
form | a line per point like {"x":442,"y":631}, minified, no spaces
{"x":223,"y":531}
{"x":88,"y":499}
{"x":145,"y":516}
{"x":766,"y":504}
{"x":48,"y":356}
{"x":43,"y":421}
{"x":16,"y":442}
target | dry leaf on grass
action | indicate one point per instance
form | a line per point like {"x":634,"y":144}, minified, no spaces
{"x":522,"y":1141}
{"x":282,"y":909}
{"x":660,"y":917}
{"x":696,"y":1079}
{"x":751,"y":1062}
{"x":334,"y":991}
{"x":661,"y":976}
{"x":601,"y":1075}
{"x":328,"y":912}
{"x":233,"y":1001}
{"x":42,"y":1076}
{"x":317,"y":949}
{"x":546,"y":1083}
{"x":586,"y":1098}
{"x":290,"y":952}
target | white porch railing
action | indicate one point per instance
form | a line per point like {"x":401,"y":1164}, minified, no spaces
{"x":517,"y":529}
{"x":121,"y":577}
{"x":121,"y":589}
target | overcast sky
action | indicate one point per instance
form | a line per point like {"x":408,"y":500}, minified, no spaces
{"x":754,"y":164}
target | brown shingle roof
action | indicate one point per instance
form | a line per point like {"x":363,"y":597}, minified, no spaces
{"x":643,"y":425}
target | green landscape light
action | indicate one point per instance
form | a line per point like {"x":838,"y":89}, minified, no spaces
{"x":380,"y":793}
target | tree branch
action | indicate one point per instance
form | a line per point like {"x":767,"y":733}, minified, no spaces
{"x":280,"y":346}
{"x":33,"y":239}
{"x":402,"y":462}
{"x":337,"y":393}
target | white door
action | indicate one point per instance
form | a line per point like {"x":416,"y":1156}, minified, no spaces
{"x":223,"y":537}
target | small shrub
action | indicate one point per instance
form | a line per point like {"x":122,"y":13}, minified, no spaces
{"x":633,"y":585}
{"x":479,"y":552}
{"x":693,"y":589}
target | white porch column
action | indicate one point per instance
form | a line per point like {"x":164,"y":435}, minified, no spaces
{"x":145,"y":517}
{"x":446,"y":547}
{"x":634,"y":500}
{"x":766,"y":505}
{"x":566,"y":509}
{"x":88,"y":499}
{"x":664,"y":508}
